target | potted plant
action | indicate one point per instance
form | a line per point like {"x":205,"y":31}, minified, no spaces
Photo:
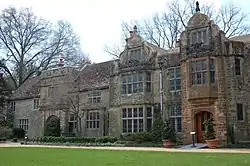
{"x":168,"y":135}
{"x":209,"y":134}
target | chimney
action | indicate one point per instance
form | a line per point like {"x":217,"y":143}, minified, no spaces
{"x":131,"y":34}
{"x":1,"y":73}
{"x":61,"y":62}
{"x":177,"y":44}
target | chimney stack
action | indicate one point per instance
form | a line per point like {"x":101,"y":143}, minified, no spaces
{"x":1,"y":72}
{"x":61,"y":62}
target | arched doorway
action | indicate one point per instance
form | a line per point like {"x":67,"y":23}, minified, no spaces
{"x":200,"y":117}
{"x":52,"y":126}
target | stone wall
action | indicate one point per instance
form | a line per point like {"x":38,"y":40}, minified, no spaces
{"x":25,"y":110}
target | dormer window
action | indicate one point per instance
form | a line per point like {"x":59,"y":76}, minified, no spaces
{"x":199,"y":37}
{"x":136,"y":54}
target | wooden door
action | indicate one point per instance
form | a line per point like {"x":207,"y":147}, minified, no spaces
{"x":200,"y":118}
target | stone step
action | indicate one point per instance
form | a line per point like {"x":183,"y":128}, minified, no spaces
{"x":197,"y":146}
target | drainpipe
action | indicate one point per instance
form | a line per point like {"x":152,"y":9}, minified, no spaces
{"x":161,"y":89}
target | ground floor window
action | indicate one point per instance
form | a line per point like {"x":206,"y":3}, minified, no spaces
{"x":93,"y":120}
{"x":24,"y":124}
{"x":134,"y":119}
{"x":175,"y":116}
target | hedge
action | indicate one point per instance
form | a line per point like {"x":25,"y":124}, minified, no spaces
{"x":105,"y":139}
{"x":139,"y":137}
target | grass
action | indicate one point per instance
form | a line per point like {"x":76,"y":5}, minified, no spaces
{"x":81,"y":157}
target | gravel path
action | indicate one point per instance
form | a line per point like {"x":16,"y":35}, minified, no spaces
{"x":136,"y":148}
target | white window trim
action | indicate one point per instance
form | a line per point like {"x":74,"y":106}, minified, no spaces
{"x":133,"y":118}
{"x":95,"y":120}
{"x":24,"y":124}
{"x":92,"y":97}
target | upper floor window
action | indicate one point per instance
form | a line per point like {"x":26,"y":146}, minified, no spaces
{"x":175,"y":78}
{"x":237,"y":66}
{"x":95,"y":97}
{"x":199,"y":71}
{"x":36,"y":104}
{"x":12,"y":106}
{"x":134,"y":83}
{"x":50,"y":91}
{"x":199,"y":36}
{"x":136,"y":54}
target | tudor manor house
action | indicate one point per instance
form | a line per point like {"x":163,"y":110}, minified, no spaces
{"x":205,"y":75}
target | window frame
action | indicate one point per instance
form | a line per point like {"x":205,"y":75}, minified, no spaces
{"x":13,"y":106}
{"x":93,"y":120}
{"x":136,"y":54}
{"x":23,"y":125}
{"x":238,"y":65}
{"x":132,"y":119}
{"x":194,"y":36}
{"x":174,"y":78}
{"x":36,"y":103}
{"x":242,"y":112}
{"x":142,"y":83}
{"x":174,"y":115}
{"x":95,"y":97}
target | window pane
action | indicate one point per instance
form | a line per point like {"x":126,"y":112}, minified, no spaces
{"x":135,"y":112}
{"x":135,"y":125}
{"x":129,"y":125}
{"x":177,"y":84}
{"x":179,"y":124}
{"x":149,"y":125}
{"x":198,"y":78}
{"x":140,"y":125}
{"x":212,"y":76}
{"x":140,"y":112}
{"x":204,"y":75}
{"x":204,"y":65}
{"x":172,"y":84}
{"x":129,"y":78}
{"x":177,"y":72}
{"x":140,"y":88}
{"x":129,"y":112}
{"x":204,"y":36}
{"x":199,"y":37}
{"x":171,"y":73}
{"x":135,"y":78}
{"x":240,"y":112}
{"x":140,"y":77}
{"x":211,"y":63}
{"x":149,"y":112}
{"x":124,"y":113}
{"x":129,"y":88}
{"x":135,"y":89}
{"x":148,"y":87}
{"x":124,"y":79}
{"x":148,"y":76}
{"x":124,"y":126}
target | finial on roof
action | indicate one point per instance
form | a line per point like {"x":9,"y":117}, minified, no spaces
{"x":135,"y":29}
{"x":197,"y":7}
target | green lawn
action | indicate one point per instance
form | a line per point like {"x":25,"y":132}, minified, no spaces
{"x":81,"y":157}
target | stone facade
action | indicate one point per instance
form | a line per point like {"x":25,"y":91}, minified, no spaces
{"x":205,"y":75}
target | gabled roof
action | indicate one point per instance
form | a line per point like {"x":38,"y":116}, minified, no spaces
{"x":29,"y":89}
{"x":242,"y":38}
{"x":96,"y":75}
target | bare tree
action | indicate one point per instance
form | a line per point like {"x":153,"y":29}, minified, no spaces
{"x":164,"y":29}
{"x":31,"y":44}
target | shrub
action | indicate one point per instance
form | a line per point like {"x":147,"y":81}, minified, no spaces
{"x":18,"y":133}
{"x":6,"y":132}
{"x":4,"y":139}
{"x":209,"y":132}
{"x":105,"y":139}
{"x":168,"y":131}
{"x":138,"y":137}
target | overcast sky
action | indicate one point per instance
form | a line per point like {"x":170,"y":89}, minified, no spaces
{"x":98,"y":22}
